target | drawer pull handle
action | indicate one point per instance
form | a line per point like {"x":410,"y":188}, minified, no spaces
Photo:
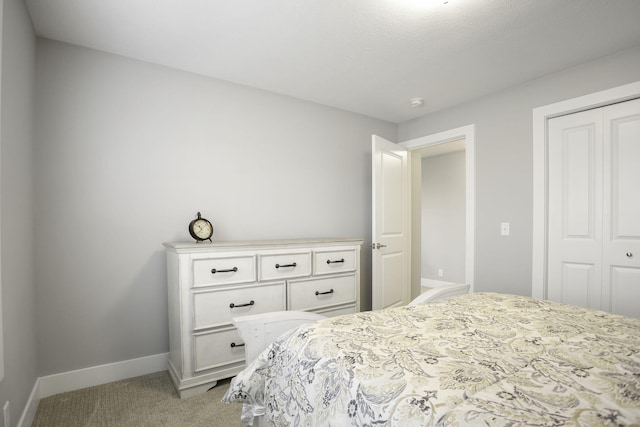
{"x":234,"y":345}
{"x":232,"y":305}
{"x":324,"y":293}
{"x":335,"y":262}
{"x":214,"y":271}
{"x":286,"y":265}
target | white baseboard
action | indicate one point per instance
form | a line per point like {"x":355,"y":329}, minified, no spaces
{"x":431,"y":283}
{"x":89,"y":377}
{"x":96,"y":375}
{"x":29,"y":413}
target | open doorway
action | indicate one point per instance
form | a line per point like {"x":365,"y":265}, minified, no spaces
{"x":443,"y":198}
{"x":460,"y":141}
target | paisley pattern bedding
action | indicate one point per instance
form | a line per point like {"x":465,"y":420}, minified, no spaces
{"x":477,"y":359}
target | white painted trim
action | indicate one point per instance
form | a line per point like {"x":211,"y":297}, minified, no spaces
{"x":29,"y":413}
{"x":468,"y":133}
{"x":1,"y":327}
{"x":432,"y":283}
{"x":96,"y":375}
{"x":89,"y":377}
{"x":439,"y":138}
{"x":540,"y":117}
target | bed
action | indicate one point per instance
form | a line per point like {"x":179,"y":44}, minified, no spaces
{"x":475,"y":359}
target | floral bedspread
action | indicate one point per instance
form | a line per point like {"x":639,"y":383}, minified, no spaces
{"x":477,"y":359}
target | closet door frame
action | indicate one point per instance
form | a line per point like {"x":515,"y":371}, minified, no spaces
{"x":541,"y":115}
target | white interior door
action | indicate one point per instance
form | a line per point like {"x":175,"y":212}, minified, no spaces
{"x":621,"y":226}
{"x":594,"y":209}
{"x":391,"y":284}
{"x":575,"y":209}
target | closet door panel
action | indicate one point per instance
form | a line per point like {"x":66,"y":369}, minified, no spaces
{"x":623,"y":170}
{"x":621,"y":221}
{"x":575,"y":209}
{"x":579,"y":283}
{"x":624,"y":290}
{"x":594,"y":208}
{"x":577,"y":192}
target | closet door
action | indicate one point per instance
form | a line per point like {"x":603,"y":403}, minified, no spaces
{"x":575,"y":209}
{"x":594,"y":209}
{"x":621,"y":223}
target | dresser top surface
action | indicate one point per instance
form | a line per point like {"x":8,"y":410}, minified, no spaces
{"x":189,"y":246}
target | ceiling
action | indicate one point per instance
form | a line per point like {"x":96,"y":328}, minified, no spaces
{"x":365,"y":56}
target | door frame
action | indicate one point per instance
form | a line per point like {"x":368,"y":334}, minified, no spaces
{"x":541,"y":116}
{"x":468,"y":134}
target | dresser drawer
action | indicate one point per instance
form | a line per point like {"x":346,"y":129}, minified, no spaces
{"x":316,"y":293}
{"x":334,"y":261}
{"x":214,"y":308}
{"x":340,"y":311}
{"x":214,"y":349}
{"x":286,"y":265}
{"x":224,"y":271}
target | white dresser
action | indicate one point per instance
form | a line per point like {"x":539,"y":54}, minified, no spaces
{"x":209,"y":283}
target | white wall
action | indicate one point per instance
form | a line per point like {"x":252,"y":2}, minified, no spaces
{"x":16,"y":200}
{"x":127,"y":153}
{"x":443,"y":217}
{"x":503,"y":125}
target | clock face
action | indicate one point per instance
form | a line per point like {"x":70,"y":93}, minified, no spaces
{"x":202,"y":229}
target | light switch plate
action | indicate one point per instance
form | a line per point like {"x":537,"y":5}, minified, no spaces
{"x":505,"y":229}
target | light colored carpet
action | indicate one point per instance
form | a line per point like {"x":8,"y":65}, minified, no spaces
{"x":149,"y":400}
